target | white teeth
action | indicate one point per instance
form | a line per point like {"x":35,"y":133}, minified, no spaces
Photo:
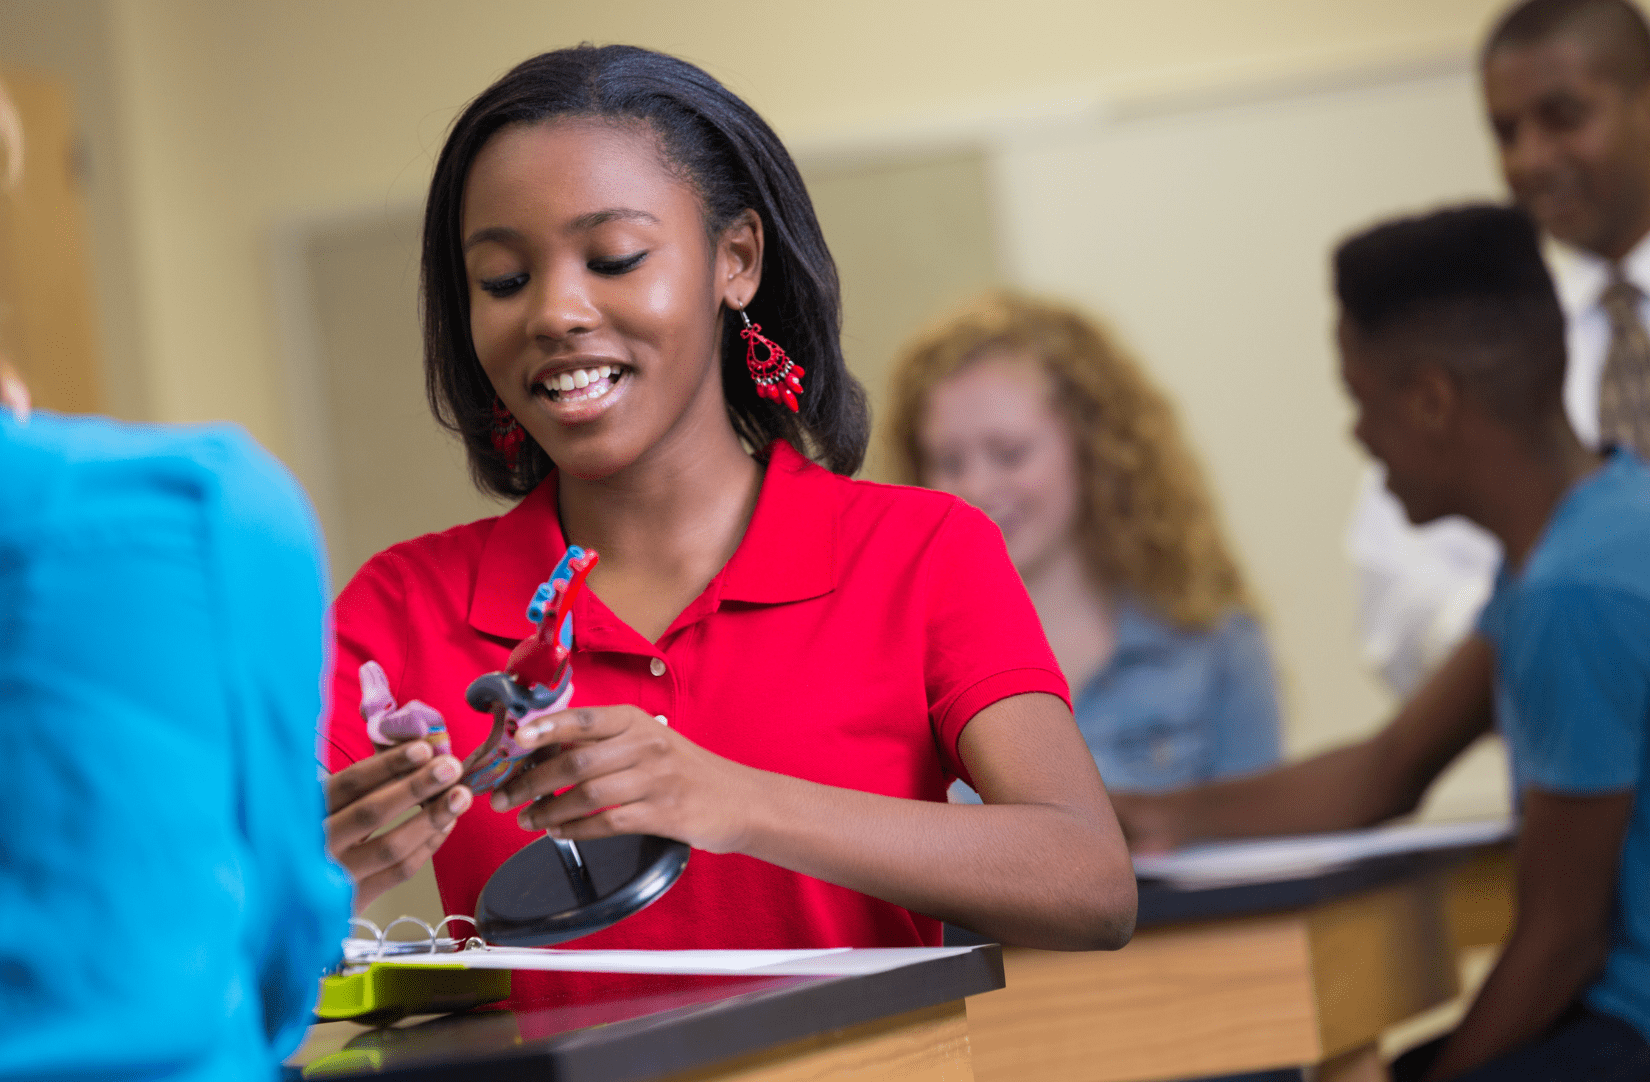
{"x":589,"y":380}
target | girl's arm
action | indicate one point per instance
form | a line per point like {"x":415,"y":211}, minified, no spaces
{"x":1041,"y":864}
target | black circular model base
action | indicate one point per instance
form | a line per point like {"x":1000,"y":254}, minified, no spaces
{"x":534,"y":899}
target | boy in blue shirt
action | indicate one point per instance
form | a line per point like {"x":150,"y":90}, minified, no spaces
{"x":1452,"y":346}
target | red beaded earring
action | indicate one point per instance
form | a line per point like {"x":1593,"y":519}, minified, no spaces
{"x":508,"y":435}
{"x":777,"y":377}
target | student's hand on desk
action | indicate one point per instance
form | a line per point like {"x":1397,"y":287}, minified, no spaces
{"x":626,"y":773}
{"x":1152,"y":822}
{"x":368,"y":795}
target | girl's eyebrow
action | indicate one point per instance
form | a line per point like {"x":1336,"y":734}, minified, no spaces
{"x":491,"y":233}
{"x":611,"y":214}
{"x":583,"y":223}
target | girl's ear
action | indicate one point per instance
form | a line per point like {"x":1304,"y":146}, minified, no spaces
{"x":739,"y":260}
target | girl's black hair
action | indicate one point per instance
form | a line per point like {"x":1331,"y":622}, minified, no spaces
{"x":735,"y":162}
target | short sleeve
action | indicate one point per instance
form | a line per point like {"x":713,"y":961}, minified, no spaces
{"x":1243,"y":716}
{"x":984,"y":640}
{"x":370,"y":624}
{"x":1576,"y":681}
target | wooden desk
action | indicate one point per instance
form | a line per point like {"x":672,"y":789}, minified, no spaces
{"x":905,"y":1024}
{"x":1304,"y":973}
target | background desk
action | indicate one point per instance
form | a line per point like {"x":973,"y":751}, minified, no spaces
{"x":906,"y":1024}
{"x":1307,"y":972}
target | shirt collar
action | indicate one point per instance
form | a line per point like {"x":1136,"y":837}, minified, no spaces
{"x":789,"y":549}
{"x":520,"y":553}
{"x":1581,"y":276}
{"x":788,"y":552}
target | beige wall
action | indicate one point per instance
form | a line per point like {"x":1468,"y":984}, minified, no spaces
{"x":217,"y":126}
{"x":237,"y":116}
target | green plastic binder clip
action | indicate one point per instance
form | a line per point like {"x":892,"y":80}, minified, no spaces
{"x":371,"y":989}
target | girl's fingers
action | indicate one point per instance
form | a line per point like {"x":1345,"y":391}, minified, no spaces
{"x":359,"y":779}
{"x":578,"y":723}
{"x":405,"y":847}
{"x":604,"y":824}
{"x":575,"y":763}
{"x":626,"y":789}
{"x":358,"y":819}
{"x":370,"y":885}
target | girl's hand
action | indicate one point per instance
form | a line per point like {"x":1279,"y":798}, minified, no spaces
{"x":1153,"y":823}
{"x":414,"y":770}
{"x":369,"y":795}
{"x":624,"y":772}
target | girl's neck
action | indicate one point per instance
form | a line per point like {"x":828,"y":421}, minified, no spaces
{"x":664,"y":525}
{"x":1076,"y":615}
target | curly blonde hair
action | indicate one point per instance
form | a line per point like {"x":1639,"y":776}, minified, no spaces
{"x":1146,"y":521}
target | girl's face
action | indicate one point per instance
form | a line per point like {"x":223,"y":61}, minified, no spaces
{"x":991,"y":435}
{"x":595,"y":294}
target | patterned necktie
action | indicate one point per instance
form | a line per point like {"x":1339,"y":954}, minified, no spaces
{"x":1624,"y":392}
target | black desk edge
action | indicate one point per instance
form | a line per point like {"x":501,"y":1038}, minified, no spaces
{"x":1163,"y":904}
{"x":702,"y":1035}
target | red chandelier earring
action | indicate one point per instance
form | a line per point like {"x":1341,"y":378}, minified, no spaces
{"x":507,"y":434}
{"x":777,"y":377}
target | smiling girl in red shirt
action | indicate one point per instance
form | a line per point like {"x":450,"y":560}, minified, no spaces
{"x":778,"y":665}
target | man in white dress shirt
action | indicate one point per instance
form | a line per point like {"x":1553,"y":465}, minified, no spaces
{"x":1567,"y":88}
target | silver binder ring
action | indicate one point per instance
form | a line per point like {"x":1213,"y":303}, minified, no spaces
{"x":383,"y":937}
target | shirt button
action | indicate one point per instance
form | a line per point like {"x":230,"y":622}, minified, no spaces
{"x":656,"y":666}
{"x":661,"y":719}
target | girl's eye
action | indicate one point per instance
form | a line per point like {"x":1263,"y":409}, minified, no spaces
{"x":505,"y":285}
{"x":1012,"y":456}
{"x":943,"y":469}
{"x":617,"y":266}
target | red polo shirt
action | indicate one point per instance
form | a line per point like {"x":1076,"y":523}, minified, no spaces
{"x":854,"y":633}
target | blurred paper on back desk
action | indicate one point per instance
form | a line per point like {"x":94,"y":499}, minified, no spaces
{"x":1265,"y":860}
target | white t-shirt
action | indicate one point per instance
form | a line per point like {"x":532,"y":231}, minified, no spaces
{"x":1421,"y":588}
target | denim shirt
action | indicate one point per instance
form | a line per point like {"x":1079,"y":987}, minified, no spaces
{"x":1175,"y":707}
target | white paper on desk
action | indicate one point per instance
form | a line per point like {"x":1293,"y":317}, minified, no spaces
{"x":615,"y":961}
{"x":832,"y":962}
{"x":1268,"y":860}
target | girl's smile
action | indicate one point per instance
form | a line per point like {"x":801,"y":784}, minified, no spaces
{"x":594,"y":307}
{"x":579,"y":391}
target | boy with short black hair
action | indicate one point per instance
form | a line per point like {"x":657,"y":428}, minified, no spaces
{"x":1452,"y":346}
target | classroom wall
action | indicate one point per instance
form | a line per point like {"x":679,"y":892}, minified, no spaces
{"x":235,"y":117}
{"x":219,"y":126}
